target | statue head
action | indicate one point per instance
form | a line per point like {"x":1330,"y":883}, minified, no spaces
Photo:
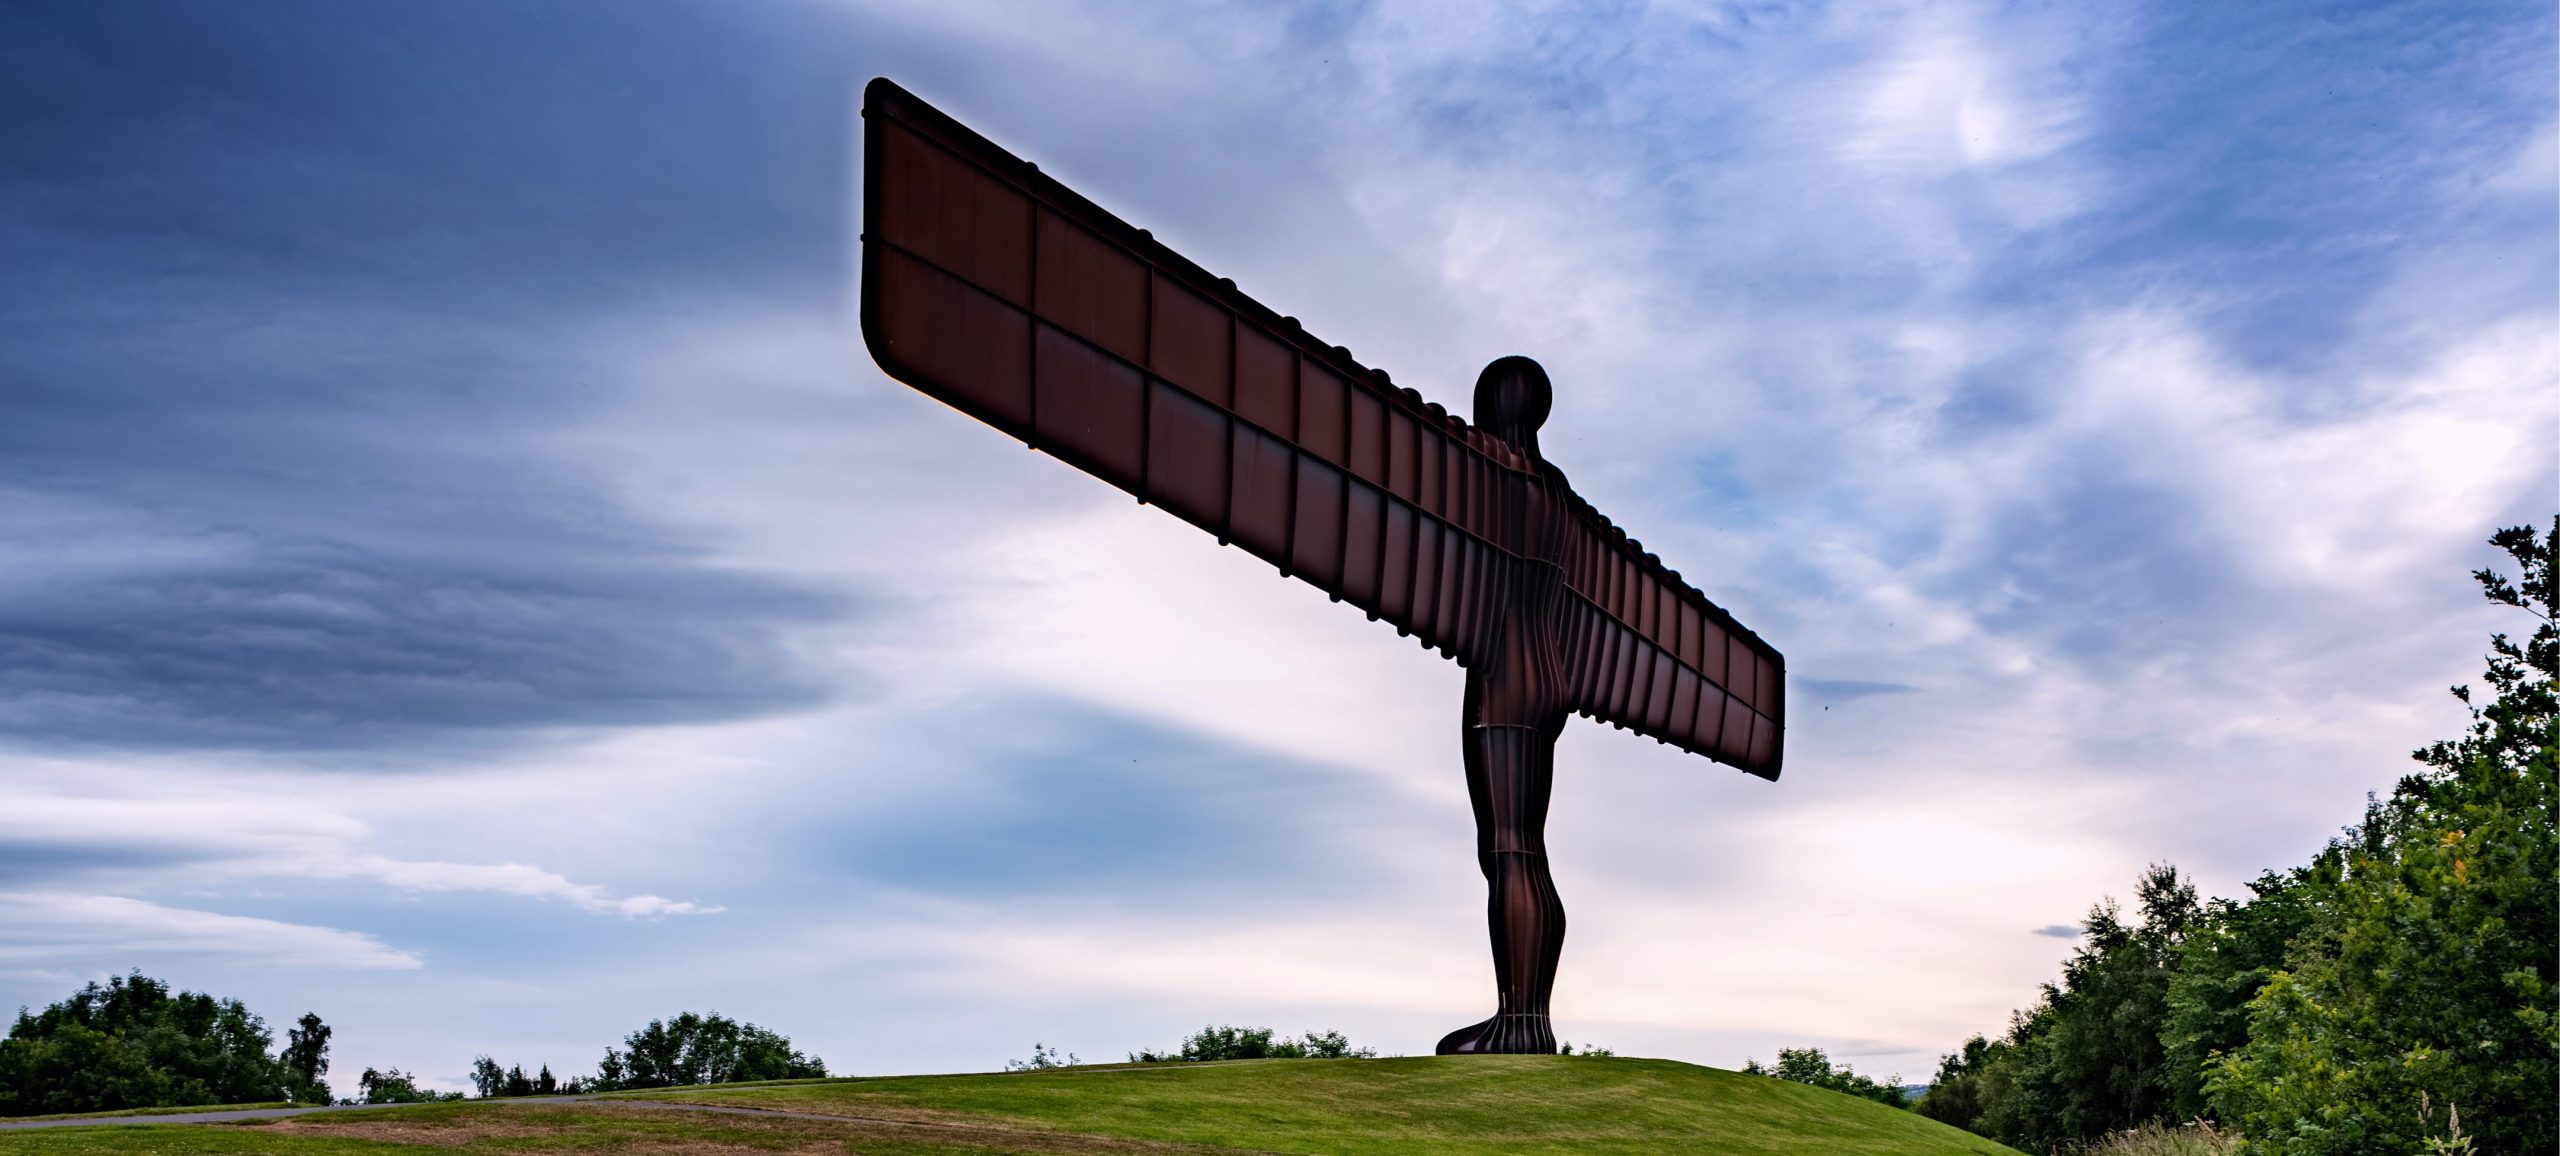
{"x":1512,"y":400}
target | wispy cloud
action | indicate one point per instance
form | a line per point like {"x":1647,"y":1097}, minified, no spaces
{"x":65,"y":925}
{"x":156,"y":840}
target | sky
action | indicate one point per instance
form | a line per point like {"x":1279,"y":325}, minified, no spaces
{"x":464,"y":577}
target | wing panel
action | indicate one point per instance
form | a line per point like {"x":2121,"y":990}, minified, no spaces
{"x":1431,"y":465}
{"x":1658,"y":693}
{"x":949,"y":339}
{"x":1395,"y":565}
{"x":1087,"y":285}
{"x":1364,"y":526}
{"x":1187,"y":449}
{"x":1190,"y":342}
{"x":1430,"y":578}
{"x":1684,"y":705}
{"x":1322,"y":422}
{"x":1733,"y":742}
{"x":1315,"y":546}
{"x":1089,"y":409}
{"x":1404,"y":454}
{"x":949,"y":212}
{"x":1265,"y":479}
{"x":1368,"y":459}
{"x":1266,"y":382}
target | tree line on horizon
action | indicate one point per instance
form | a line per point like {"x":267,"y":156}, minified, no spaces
{"x":133,"y":1042}
{"x":2394,"y":995}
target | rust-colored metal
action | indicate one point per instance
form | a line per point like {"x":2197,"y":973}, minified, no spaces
{"x":995,"y":289}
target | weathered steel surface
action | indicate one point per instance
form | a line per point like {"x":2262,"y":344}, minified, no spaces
{"x":994,"y":288}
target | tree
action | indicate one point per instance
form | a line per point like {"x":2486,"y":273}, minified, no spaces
{"x":2426,"y":983}
{"x":1811,"y":1066}
{"x":2098,"y":1066}
{"x":489,"y":1080}
{"x":2087,"y":1059}
{"x":1227,"y":1042}
{"x":306,"y":1059}
{"x":393,"y":1086}
{"x":1975,"y":1089}
{"x":699,"y":1049}
{"x":132,"y":1043}
{"x":2228,"y":957}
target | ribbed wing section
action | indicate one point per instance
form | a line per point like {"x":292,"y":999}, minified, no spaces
{"x":1648,"y":652}
{"x":998,"y":290}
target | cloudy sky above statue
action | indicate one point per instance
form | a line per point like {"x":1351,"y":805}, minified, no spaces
{"x":465,"y":577}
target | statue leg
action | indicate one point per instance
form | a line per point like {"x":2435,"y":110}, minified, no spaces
{"x":1510,"y":773}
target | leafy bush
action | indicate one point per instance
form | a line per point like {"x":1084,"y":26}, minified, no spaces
{"x":1042,"y":1058}
{"x":1589,"y":1051}
{"x":2200,"y":1138}
{"x":393,"y":1086}
{"x":1225,"y":1042}
{"x":1810,"y":1066}
{"x":699,"y":1049}
{"x":132,"y":1043}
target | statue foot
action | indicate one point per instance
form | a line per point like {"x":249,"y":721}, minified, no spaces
{"x":1508,"y":1034}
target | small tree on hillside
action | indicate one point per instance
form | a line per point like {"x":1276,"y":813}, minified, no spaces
{"x":1811,"y":1066}
{"x":306,"y":1059}
{"x":1228,"y":1042}
{"x":699,"y":1049}
{"x":393,"y":1086}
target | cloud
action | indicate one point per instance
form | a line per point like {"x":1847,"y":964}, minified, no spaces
{"x":285,"y":500}
{"x":52,"y":925}
{"x":200,"y":839}
{"x":501,"y":878}
{"x":327,"y":647}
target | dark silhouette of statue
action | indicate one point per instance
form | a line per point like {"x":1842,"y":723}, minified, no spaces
{"x":1516,"y":705}
{"x":1004,"y":294}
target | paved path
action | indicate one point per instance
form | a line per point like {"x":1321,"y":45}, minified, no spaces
{"x":218,"y":1116}
{"x":211,"y":1117}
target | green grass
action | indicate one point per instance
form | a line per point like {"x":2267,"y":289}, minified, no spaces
{"x":1492,"y":1104}
{"x":1484,"y":1104}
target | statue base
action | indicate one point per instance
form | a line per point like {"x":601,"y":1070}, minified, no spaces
{"x":1513,"y":1034}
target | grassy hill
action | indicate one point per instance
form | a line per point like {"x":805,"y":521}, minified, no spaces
{"x":1494,"y":1104}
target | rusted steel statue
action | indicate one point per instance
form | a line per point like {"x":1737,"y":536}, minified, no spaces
{"x":1004,"y":294}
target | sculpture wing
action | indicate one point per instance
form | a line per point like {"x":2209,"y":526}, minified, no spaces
{"x":1646,"y":651}
{"x":994,"y":288}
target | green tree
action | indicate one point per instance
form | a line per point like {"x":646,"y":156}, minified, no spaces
{"x":133,"y":1043}
{"x":2229,"y":956}
{"x":306,"y":1059}
{"x":1811,"y":1066}
{"x":2426,"y":982}
{"x":1227,"y":1042}
{"x":2098,"y":1065}
{"x":393,"y":1086}
{"x":2087,"y":1059}
{"x":699,"y":1049}
{"x":1975,"y":1088}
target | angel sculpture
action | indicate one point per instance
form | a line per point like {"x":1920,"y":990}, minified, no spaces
{"x":997,"y":290}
